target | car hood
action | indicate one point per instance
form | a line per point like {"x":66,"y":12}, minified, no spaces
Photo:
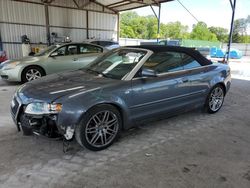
{"x":55,"y":86}
{"x":28,"y":59}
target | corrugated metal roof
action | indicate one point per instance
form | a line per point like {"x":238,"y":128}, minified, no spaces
{"x":122,"y":5}
{"x":111,"y":6}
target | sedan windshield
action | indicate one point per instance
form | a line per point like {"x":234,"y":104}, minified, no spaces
{"x":117,"y":63}
{"x":46,"y":51}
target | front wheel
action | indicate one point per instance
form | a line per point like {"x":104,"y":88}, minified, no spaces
{"x":99,"y":128}
{"x":215,"y":99}
{"x":32,"y":73}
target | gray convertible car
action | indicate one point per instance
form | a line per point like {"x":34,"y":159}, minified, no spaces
{"x":119,"y":89}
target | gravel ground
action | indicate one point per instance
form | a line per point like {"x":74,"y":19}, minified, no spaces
{"x":190,"y":150}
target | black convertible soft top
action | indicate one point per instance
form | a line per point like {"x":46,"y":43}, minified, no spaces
{"x":190,"y":51}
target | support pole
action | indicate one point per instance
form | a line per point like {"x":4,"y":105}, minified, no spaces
{"x":233,"y":5}
{"x":159,"y":22}
{"x":1,"y":43}
{"x":87,"y":24}
{"x":118,"y":27}
{"x":153,"y":11}
{"x":46,"y":8}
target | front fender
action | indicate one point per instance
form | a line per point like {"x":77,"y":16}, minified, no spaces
{"x":75,"y":107}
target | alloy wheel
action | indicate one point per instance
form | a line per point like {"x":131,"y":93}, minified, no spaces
{"x":102,"y":128}
{"x":33,"y":74}
{"x":216,"y":99}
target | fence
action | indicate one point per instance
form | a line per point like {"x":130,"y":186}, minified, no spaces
{"x":244,"y":48}
{"x":129,"y":41}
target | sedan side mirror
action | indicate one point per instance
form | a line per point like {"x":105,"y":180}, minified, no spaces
{"x":148,"y":73}
{"x":54,"y":54}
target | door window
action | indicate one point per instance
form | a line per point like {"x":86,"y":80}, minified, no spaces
{"x":72,"y":50}
{"x":189,"y":63}
{"x":61,"y":51}
{"x":89,"y":49}
{"x":163,"y":62}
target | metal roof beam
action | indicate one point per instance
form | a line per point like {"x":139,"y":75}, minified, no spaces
{"x":104,"y":6}
{"x":116,"y":3}
{"x":157,"y":3}
{"x":132,"y":8}
{"x":154,"y":11}
{"x":76,"y":3}
{"x":140,"y":2}
{"x":85,"y":4}
{"x":231,"y":3}
{"x":127,"y":3}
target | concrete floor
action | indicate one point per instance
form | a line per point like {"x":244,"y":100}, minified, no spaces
{"x":190,"y":150}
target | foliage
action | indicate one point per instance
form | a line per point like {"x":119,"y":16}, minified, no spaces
{"x":220,"y":32}
{"x":134,"y":26}
{"x":240,"y":30}
{"x":174,"y":30}
{"x":145,"y":27}
{"x":201,"y":32}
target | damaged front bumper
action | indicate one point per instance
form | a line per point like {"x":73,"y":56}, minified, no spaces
{"x":45,"y":125}
{"x":39,"y":125}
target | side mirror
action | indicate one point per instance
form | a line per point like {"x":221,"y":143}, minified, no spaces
{"x":148,"y":73}
{"x":54,"y":54}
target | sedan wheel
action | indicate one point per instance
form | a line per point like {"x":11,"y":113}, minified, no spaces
{"x":215,"y":99}
{"x":100,"y":127}
{"x":32,"y":73}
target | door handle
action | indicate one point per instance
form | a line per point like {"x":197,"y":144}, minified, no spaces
{"x":75,"y":59}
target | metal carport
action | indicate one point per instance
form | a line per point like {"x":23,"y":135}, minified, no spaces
{"x":81,"y":19}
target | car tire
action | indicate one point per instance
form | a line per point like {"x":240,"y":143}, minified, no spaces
{"x":99,"y":128}
{"x":215,"y":99}
{"x":32,"y":73}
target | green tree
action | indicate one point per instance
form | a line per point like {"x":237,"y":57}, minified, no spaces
{"x":240,"y":30}
{"x":128,"y":32}
{"x":151,"y":27}
{"x":220,"y":32}
{"x":174,"y":30}
{"x":134,"y":26}
{"x":245,"y":39}
{"x":236,"y":32}
{"x":201,"y":32}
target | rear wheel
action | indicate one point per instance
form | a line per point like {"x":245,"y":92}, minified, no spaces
{"x":215,"y":99}
{"x":32,"y":73}
{"x":99,"y":128}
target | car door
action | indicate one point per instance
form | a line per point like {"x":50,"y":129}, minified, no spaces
{"x":166,"y":92}
{"x":63,"y":59}
{"x":197,"y":78}
{"x":87,"y":54}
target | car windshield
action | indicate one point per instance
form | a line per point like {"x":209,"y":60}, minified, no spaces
{"x":46,"y":51}
{"x":117,"y":63}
